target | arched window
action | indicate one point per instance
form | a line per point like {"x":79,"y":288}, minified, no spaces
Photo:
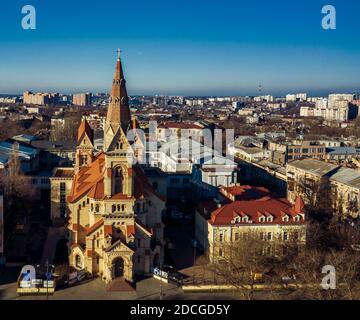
{"x":118,"y":181}
{"x":78,"y":262}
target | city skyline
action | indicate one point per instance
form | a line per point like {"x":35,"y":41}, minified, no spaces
{"x":187,"y":51}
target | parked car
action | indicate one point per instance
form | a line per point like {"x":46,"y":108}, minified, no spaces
{"x":176,"y":214}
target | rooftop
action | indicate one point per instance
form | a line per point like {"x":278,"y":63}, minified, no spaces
{"x":317,"y":167}
{"x":273,"y":209}
{"x":342,"y":150}
{"x":347,"y":176}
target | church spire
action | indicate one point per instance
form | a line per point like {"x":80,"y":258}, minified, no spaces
{"x":118,"y":111}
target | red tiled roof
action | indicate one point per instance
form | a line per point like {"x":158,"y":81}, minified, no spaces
{"x":94,"y":227}
{"x":108,"y":229}
{"x":130,"y":229}
{"x":245,"y":192}
{"x":87,"y":179}
{"x":85,"y":128}
{"x":254,"y":209}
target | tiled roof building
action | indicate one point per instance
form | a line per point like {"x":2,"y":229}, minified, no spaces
{"x":248,"y":211}
{"x":115,"y":215}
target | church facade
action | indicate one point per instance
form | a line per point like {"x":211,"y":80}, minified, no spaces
{"x":115,"y":218}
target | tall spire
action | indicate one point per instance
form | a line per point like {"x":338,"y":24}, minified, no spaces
{"x":118,"y":111}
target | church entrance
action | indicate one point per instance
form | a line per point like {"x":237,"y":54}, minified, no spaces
{"x":119,"y":267}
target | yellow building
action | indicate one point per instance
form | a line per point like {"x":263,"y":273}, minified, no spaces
{"x":116,"y":230}
{"x":248,"y":213}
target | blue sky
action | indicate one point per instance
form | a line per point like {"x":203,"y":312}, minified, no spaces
{"x":180,"y":46}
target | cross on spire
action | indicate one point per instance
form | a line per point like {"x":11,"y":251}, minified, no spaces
{"x":118,"y":52}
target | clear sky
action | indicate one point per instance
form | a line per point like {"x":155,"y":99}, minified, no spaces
{"x":189,"y":47}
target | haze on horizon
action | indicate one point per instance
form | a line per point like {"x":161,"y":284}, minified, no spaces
{"x":181,"y":47}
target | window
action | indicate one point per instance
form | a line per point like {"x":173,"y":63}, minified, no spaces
{"x":296,"y":235}
{"x":269,"y":251}
{"x":62,"y":198}
{"x":62,"y":187}
{"x":262,"y":219}
{"x":286,"y":219}
{"x":113,"y":208}
{"x":269,"y":236}
{"x":83,"y":160}
{"x":221,"y":253}
{"x":285,"y":236}
{"x":262,"y":237}
{"x":97,"y":243}
{"x":118,"y":180}
{"x":236,"y":236}
{"x":269,"y":219}
{"x":221,"y":237}
{"x":97,"y":208}
{"x":78,"y":262}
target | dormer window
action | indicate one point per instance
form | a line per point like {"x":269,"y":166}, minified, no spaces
{"x":262,"y":219}
{"x":286,"y":218}
{"x":297,"y":218}
{"x":237,"y":220}
{"x":245,"y":219}
{"x":270,"y":219}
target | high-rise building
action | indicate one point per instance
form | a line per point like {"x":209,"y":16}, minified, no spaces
{"x":40,"y":98}
{"x":116,"y":230}
{"x":82,"y":99}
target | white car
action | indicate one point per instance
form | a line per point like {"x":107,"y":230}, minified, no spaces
{"x":176,"y":214}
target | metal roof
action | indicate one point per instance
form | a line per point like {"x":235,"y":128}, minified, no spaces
{"x":313,"y":166}
{"x":350,"y":177}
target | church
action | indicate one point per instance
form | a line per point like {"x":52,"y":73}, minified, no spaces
{"x":115,"y":216}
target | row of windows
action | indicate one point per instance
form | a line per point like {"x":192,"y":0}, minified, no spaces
{"x":266,"y":250}
{"x":265,"y":236}
{"x":312,"y":150}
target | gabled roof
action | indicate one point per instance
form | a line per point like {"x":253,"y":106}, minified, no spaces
{"x":117,"y":243}
{"x":89,"y":179}
{"x":85,"y":129}
{"x":94,"y":227}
